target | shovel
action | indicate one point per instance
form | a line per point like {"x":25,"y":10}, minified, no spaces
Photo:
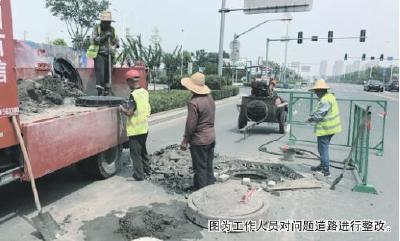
{"x":43,"y":222}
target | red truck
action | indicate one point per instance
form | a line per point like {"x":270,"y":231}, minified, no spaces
{"x":90,"y":137}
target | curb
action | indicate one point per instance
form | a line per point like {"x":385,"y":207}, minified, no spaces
{"x":181,"y":112}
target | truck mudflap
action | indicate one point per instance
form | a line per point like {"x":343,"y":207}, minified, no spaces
{"x":58,"y":142}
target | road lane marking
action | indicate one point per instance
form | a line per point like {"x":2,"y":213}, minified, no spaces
{"x":381,"y":95}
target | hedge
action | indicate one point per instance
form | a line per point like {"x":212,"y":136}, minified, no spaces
{"x":225,"y":92}
{"x":214,"y":82}
{"x":163,"y":100}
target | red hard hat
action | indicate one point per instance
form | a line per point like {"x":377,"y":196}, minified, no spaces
{"x":133,"y":73}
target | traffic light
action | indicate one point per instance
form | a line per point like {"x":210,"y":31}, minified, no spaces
{"x":314,"y":38}
{"x":362,"y":35}
{"x":345,"y":57}
{"x":330,"y":36}
{"x":372,"y":57}
{"x":363,"y":57}
{"x":381,"y":57}
{"x":300,"y":37}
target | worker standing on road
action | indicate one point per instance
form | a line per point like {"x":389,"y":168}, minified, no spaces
{"x":199,"y":130}
{"x":327,"y":118}
{"x":103,"y":43}
{"x":138,"y":111}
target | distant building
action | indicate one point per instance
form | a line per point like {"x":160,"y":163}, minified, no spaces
{"x":337,"y":68}
{"x":323,"y":68}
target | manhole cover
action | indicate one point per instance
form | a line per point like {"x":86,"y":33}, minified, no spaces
{"x":222,"y":202}
{"x":95,"y":101}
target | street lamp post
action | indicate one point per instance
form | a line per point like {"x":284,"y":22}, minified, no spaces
{"x":183,"y":31}
{"x":221,"y":39}
{"x":286,"y":50}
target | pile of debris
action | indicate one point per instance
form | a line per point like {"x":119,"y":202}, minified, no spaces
{"x":172,"y":168}
{"x":161,"y":221}
{"x":37,"y":95}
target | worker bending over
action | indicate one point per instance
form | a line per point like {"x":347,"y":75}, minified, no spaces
{"x":327,"y":119}
{"x":199,"y":130}
{"x":138,"y":111}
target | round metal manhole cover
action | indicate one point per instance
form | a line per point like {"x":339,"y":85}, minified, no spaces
{"x":223,"y":202}
{"x":96,"y":101}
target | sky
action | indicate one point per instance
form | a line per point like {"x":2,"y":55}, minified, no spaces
{"x":200,"y":22}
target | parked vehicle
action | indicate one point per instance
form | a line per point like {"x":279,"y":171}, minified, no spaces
{"x":90,"y":137}
{"x":394,"y":86}
{"x":375,"y":85}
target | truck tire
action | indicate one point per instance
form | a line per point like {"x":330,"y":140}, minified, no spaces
{"x":242,"y":121}
{"x":282,"y":122}
{"x":102,"y":165}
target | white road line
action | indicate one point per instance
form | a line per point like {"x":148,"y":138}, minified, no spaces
{"x":381,"y":95}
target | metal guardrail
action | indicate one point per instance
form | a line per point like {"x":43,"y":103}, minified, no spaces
{"x":307,"y":102}
{"x":359,"y":158}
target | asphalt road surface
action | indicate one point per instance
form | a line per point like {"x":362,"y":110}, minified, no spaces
{"x":76,"y":202}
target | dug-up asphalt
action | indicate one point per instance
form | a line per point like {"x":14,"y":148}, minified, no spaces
{"x":118,"y":209}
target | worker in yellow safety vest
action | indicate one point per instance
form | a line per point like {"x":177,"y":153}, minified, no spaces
{"x":138,"y":111}
{"x":327,"y":119}
{"x":104,"y":41}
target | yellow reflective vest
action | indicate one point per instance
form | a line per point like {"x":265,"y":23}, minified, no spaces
{"x":93,"y":49}
{"x":331,"y":123}
{"x":137,"y":124}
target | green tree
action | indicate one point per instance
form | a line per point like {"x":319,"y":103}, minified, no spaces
{"x":78,"y":15}
{"x":172,"y":62}
{"x":59,"y":42}
{"x":133,"y":50}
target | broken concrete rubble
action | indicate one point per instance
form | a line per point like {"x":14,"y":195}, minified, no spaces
{"x":161,"y":221}
{"x":37,"y":95}
{"x":172,"y":168}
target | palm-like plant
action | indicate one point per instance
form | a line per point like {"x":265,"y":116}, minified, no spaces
{"x":134,"y":50}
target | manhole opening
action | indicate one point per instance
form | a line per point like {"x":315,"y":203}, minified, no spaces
{"x":262,"y":171}
{"x":253,"y":175}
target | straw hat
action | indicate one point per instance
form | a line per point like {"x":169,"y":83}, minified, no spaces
{"x":106,"y":16}
{"x":196,"y":83}
{"x":320,"y":84}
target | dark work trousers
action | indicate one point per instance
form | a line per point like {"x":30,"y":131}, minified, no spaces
{"x":102,"y":69}
{"x":139,"y":157}
{"x":202,"y":160}
{"x":323,"y":150}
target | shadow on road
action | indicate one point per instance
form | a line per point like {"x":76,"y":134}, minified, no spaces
{"x":17,"y":198}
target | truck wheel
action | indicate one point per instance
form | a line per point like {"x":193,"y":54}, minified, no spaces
{"x":282,"y":123}
{"x":103,"y":165}
{"x":242,"y":121}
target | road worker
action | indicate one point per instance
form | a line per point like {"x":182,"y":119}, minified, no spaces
{"x":102,"y":48}
{"x":138,"y":111}
{"x":199,"y":130}
{"x":327,"y":119}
